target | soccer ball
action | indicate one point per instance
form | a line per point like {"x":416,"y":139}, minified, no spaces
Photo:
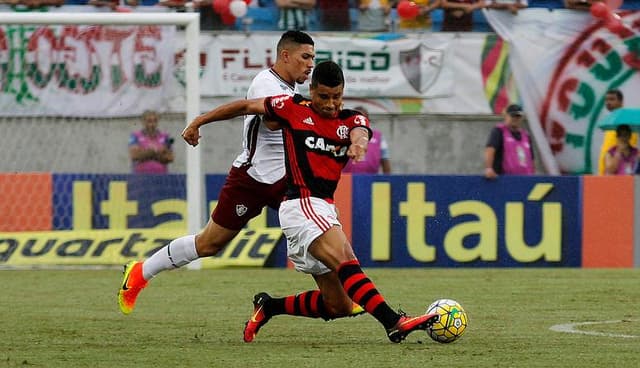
{"x":452,"y":323}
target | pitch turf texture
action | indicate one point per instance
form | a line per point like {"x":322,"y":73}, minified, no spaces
{"x":70,"y":318}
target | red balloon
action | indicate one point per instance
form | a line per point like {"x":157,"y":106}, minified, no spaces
{"x":600,"y":10}
{"x":221,"y":6}
{"x":228,"y":18}
{"x":614,"y":4}
{"x":408,"y":9}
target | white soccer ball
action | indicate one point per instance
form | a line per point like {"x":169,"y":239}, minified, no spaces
{"x":452,"y":323}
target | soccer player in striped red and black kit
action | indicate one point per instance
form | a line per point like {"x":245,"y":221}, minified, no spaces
{"x":319,"y":138}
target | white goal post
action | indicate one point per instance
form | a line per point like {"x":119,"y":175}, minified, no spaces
{"x":195,"y":182}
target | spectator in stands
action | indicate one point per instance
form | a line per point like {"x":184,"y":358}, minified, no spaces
{"x":613,"y":100}
{"x":621,"y":159}
{"x":112,"y":4}
{"x":149,"y":148}
{"x":294,"y":14}
{"x":579,"y":4}
{"x":333,"y":15}
{"x":511,"y":5}
{"x":373,"y":15}
{"x":423,"y":20}
{"x":458,"y":14}
{"x":33,"y":3}
{"x":377,"y":156}
{"x":509,"y":150}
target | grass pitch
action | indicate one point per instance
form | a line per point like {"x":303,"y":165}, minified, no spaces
{"x":70,"y":318}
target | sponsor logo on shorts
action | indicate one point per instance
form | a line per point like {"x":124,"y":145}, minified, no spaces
{"x":241,"y":209}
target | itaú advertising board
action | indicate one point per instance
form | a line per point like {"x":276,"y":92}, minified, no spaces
{"x":446,"y":221}
{"x":94,"y":219}
{"x":392,"y":221}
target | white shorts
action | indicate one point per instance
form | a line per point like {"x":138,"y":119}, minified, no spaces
{"x":303,"y":221}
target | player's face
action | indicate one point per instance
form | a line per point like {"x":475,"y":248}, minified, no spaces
{"x":611,"y":101}
{"x":327,"y":101}
{"x":300,"y":62}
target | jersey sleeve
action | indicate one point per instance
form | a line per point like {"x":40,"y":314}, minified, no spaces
{"x":495,"y":138}
{"x":358,"y":120}
{"x":278,"y":108}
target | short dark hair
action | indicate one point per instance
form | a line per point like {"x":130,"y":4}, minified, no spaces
{"x":289,"y":38}
{"x":616,"y":92}
{"x":623,"y":129}
{"x":327,"y":73}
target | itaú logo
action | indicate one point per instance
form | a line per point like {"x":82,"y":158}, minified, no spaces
{"x":318,"y":144}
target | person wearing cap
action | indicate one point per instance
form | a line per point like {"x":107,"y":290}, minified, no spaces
{"x":377,"y":156}
{"x":509,"y":150}
{"x":622,"y":158}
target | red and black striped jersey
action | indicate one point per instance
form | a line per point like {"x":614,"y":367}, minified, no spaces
{"x":315,"y":147}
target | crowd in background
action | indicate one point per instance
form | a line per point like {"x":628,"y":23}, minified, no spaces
{"x":332,"y":15}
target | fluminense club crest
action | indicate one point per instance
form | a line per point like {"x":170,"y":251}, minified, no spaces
{"x":421,"y":66}
{"x":241,"y":209}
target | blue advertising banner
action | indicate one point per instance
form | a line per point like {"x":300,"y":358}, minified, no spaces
{"x":102,"y":201}
{"x":445,"y":221}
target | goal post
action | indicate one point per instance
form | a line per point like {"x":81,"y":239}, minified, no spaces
{"x":191,"y":21}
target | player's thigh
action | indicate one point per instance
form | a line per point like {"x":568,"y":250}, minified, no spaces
{"x":335,"y":298}
{"x":332,"y":248}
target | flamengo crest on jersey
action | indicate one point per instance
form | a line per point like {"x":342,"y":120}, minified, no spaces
{"x":261,"y":147}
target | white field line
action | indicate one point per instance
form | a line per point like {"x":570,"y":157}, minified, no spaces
{"x":573,"y":328}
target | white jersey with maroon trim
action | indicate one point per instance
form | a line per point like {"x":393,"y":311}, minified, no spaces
{"x":262,"y":148}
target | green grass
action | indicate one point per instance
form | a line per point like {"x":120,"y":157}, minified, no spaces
{"x":70,"y":318}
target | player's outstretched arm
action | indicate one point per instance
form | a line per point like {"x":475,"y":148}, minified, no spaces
{"x":359,"y":143}
{"x":191,"y":134}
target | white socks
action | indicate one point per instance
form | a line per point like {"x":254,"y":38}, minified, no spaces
{"x":175,"y":254}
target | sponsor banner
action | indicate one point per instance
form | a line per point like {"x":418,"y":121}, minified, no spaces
{"x":564,"y":62}
{"x":445,"y":221}
{"x":25,"y":202}
{"x":394,"y":221}
{"x":95,"y":70}
{"x":105,"y":201}
{"x":608,"y":223}
{"x":108,"y":247}
{"x":107,"y":219}
{"x":404,"y":66}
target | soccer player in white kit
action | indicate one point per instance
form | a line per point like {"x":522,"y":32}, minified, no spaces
{"x":255,"y":180}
